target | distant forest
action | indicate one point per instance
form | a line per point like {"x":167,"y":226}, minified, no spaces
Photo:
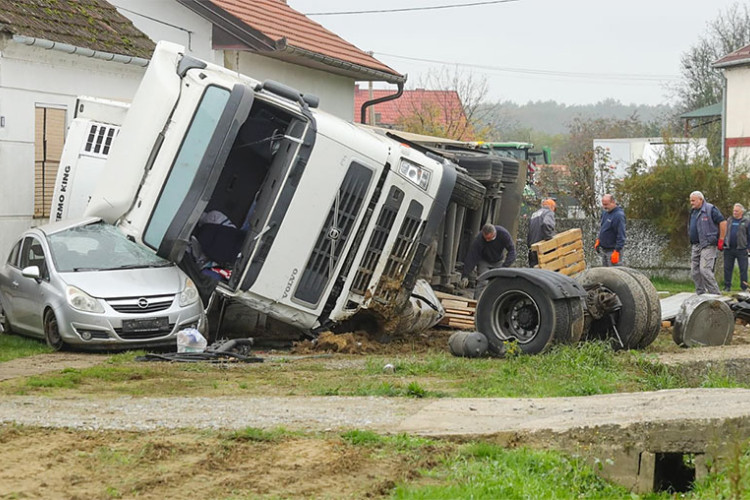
{"x":507,"y":118}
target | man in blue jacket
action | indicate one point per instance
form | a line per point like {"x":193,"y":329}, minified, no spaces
{"x":486,"y":252}
{"x":735,"y":247}
{"x":706,"y":230}
{"x":611,"y":240}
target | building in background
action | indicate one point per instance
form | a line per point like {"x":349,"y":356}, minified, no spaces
{"x":53,"y":52}
{"x":736,"y":124}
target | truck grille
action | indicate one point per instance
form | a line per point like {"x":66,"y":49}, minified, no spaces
{"x":136,"y":305}
{"x":334,"y":234}
{"x":377,"y":241}
{"x":398,"y":261}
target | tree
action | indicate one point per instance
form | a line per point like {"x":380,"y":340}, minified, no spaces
{"x":702,"y":84}
{"x":439,"y":113}
{"x":661,"y":195}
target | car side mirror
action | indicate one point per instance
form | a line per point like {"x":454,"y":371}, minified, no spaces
{"x":32,"y":272}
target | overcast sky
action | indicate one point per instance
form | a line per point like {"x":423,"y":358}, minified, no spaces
{"x":570,"y":51}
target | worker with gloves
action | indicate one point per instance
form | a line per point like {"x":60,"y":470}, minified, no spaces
{"x":706,"y":230}
{"x":611,"y":238}
{"x":485,"y":253}
{"x":541,"y":227}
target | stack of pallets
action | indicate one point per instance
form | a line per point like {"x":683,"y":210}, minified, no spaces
{"x":459,"y":311}
{"x":563,"y":253}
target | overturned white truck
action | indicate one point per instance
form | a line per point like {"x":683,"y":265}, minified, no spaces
{"x":309,"y":219}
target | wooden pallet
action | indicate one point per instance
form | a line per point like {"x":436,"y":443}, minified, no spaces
{"x":563,"y":253}
{"x":459,"y":311}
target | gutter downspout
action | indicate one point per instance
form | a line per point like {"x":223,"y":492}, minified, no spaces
{"x":724,"y":151}
{"x":372,"y":102}
{"x":81,"y":51}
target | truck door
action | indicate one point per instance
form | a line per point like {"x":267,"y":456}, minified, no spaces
{"x":196,"y":169}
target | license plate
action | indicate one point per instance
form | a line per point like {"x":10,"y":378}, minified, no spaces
{"x":145,"y":325}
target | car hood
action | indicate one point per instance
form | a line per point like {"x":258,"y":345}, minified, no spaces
{"x":128,"y":282}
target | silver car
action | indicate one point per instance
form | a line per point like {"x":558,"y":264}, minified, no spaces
{"x":83,"y":283}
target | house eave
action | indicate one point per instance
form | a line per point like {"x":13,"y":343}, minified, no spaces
{"x":79,"y":51}
{"x":736,"y":62}
{"x":312,"y":59}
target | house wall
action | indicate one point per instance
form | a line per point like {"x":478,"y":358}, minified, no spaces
{"x":737,"y":122}
{"x":30,"y":77}
{"x":336,"y":93}
{"x":168,"y":20}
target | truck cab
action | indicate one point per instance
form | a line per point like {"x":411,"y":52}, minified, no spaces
{"x":263,"y":199}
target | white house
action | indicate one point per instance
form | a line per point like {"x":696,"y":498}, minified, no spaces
{"x":736,"y":125}
{"x":50,"y":55}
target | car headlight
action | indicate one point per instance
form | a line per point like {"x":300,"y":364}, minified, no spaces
{"x":189,"y":295}
{"x":415,"y":173}
{"x":82,"y":301}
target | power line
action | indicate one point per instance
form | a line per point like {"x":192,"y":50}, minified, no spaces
{"x":634,"y":77}
{"x":407,"y":9}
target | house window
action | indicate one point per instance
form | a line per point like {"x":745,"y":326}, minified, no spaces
{"x":49,"y":136}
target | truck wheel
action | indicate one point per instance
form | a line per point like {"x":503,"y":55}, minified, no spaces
{"x":52,"y":331}
{"x":479,"y":165}
{"x":468,"y":192}
{"x":516,"y":309}
{"x":653,"y":305}
{"x":632,"y":319}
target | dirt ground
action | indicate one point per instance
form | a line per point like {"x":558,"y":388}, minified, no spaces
{"x":88,"y":464}
{"x":56,"y":463}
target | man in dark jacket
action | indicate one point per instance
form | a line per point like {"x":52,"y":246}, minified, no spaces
{"x":735,"y":247}
{"x":706,"y":230}
{"x":611,"y":238}
{"x":541,"y":227}
{"x":486,"y":252}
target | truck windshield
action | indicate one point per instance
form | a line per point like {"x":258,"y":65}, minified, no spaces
{"x":186,"y":164}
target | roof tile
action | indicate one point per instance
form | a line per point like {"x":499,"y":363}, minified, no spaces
{"x":277,"y":20}
{"x":737,"y":57}
{"x":410,"y":101}
{"x":91,"y":24}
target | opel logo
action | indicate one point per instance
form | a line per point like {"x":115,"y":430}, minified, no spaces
{"x":334,"y":233}
{"x":143,"y":302}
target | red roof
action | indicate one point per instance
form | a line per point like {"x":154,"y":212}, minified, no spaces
{"x":285,"y":26}
{"x":411,"y":101}
{"x":739,"y":56}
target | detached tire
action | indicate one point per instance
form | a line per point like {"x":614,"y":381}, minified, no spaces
{"x":516,"y":309}
{"x":468,"y":192}
{"x":52,"y":331}
{"x":632,"y":320}
{"x":653,"y":305}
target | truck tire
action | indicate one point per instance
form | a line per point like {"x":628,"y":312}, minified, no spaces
{"x":632,"y":320}
{"x":478,"y":165}
{"x":517,"y":310}
{"x":653,"y":305}
{"x":468,"y":192}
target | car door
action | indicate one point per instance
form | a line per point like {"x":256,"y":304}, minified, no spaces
{"x":29,"y":292}
{"x":9,"y":281}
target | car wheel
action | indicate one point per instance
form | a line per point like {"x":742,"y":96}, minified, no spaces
{"x":516,"y":309}
{"x":7,"y":327}
{"x":632,"y":320}
{"x":653,"y":305}
{"x":52,"y":332}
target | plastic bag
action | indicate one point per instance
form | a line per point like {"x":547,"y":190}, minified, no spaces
{"x":190,"y":340}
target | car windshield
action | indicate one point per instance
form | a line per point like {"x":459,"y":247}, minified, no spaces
{"x":99,"y":247}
